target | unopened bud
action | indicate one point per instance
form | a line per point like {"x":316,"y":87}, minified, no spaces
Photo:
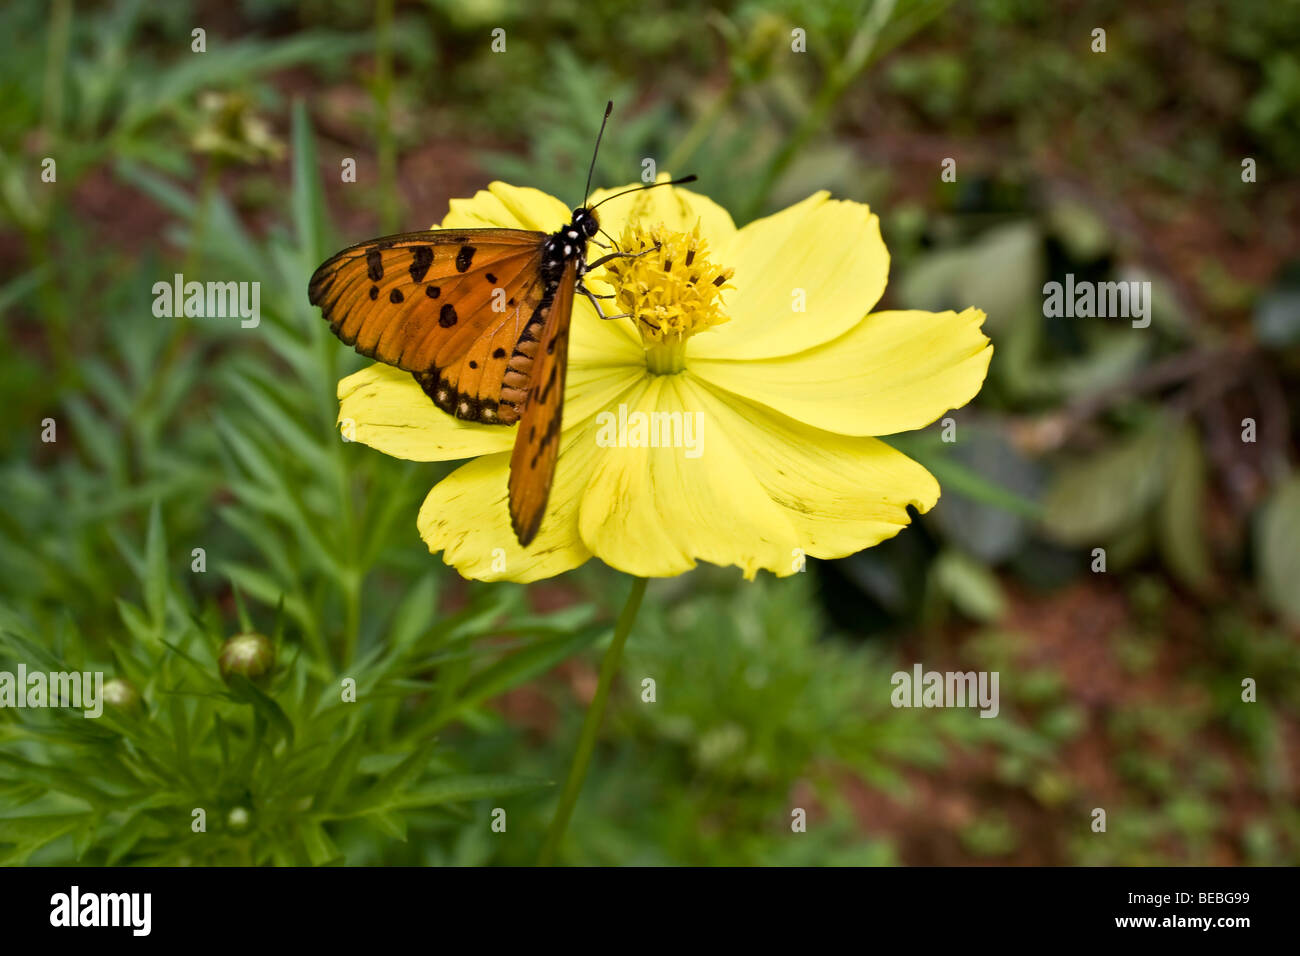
{"x":121,"y":693}
{"x":249,"y":655}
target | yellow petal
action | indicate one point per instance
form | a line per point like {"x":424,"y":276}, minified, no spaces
{"x":510,"y":207}
{"x":465,"y":516}
{"x":388,"y":410}
{"x":840,"y":494}
{"x":678,"y":209}
{"x":892,"y":372}
{"x":654,"y":512}
{"x":824,"y":256}
{"x":600,"y":343}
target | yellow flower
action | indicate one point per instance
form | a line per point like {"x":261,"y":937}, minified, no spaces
{"x":756,"y":347}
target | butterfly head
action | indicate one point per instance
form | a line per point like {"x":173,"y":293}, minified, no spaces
{"x":584,"y":220}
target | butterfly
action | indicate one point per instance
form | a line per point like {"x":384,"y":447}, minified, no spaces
{"x":481,"y":318}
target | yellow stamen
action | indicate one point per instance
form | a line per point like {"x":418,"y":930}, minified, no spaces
{"x":671,"y":292}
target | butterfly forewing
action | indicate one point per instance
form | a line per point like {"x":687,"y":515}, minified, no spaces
{"x":537,"y":445}
{"x":450,"y":306}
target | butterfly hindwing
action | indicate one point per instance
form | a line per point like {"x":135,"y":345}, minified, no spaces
{"x":537,"y":445}
{"x":450,"y":306}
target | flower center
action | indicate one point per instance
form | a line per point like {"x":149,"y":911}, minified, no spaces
{"x":671,"y":292}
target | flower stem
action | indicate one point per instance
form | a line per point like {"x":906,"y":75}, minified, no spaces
{"x":856,"y":59}
{"x":591,"y":725}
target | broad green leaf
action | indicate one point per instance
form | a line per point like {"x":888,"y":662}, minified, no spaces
{"x":1182,"y":512}
{"x":970,"y":585}
{"x":1003,"y":273}
{"x":1277,"y":549}
{"x":1094,"y":499}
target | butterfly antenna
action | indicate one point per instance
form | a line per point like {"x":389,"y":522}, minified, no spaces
{"x":637,"y":189}
{"x":609,"y":108}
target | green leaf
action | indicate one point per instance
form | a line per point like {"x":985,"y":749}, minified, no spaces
{"x":990,"y":533}
{"x":245,"y":622}
{"x":1003,"y":273}
{"x":321,"y":850}
{"x":465,"y":787}
{"x":134,"y":619}
{"x":180,"y":734}
{"x":31,"y":652}
{"x":155,"y":584}
{"x":1094,"y":499}
{"x":971,"y":586}
{"x":1277,"y":549}
{"x":308,"y":197}
{"x":1082,"y":231}
{"x":1181,"y":515}
{"x":245,"y":690}
{"x":340,"y":772}
{"x":1277,"y":313}
{"x":30,"y":833}
{"x":952,"y":473}
{"x":414,"y":616}
{"x":127,"y":836}
{"x":518,"y":668}
{"x":392,"y":824}
{"x":382,"y":795}
{"x":206,"y":672}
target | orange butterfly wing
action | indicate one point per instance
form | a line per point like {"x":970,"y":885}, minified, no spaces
{"x":452,"y":306}
{"x":537,"y":446}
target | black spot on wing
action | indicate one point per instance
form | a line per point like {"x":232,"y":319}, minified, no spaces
{"x":422,"y":259}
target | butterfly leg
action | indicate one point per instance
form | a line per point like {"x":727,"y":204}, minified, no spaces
{"x":620,"y":255}
{"x":591,"y":296}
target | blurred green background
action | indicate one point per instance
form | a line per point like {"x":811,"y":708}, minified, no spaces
{"x":1120,"y":690}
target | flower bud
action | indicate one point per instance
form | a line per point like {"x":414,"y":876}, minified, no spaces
{"x":249,"y":655}
{"x":238,"y":818}
{"x":121,"y":693}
